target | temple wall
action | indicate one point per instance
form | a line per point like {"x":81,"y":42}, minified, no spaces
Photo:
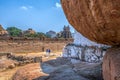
{"x":31,"y":45}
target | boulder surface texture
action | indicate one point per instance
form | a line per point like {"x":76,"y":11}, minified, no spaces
{"x":98,"y":20}
{"x":111,"y":64}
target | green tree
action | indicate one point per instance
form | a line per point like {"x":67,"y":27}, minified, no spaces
{"x":36,"y":35}
{"x":31,"y":35}
{"x":14,"y":31}
{"x":40,"y":34}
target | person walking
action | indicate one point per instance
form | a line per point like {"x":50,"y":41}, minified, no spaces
{"x":46,"y":52}
{"x":49,"y":51}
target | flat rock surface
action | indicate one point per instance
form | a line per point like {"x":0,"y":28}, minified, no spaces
{"x":64,"y":69}
{"x":65,"y":73}
{"x":92,"y":71}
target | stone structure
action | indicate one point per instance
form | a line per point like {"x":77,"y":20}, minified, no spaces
{"x":98,"y":20}
{"x":29,"y":31}
{"x":19,"y":45}
{"x":3,"y":32}
{"x":51,"y":34}
{"x":91,"y":54}
{"x":65,"y":33}
{"x":22,"y":60}
{"x":84,"y":49}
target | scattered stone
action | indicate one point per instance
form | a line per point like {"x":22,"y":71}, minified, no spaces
{"x":11,"y":66}
{"x":22,"y":60}
{"x":7,"y":64}
{"x":37,"y":59}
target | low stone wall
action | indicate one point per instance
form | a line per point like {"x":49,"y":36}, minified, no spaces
{"x":92,"y":54}
{"x":4,"y":54}
{"x":32,"y":45}
{"x":11,"y":61}
{"x":22,"y":60}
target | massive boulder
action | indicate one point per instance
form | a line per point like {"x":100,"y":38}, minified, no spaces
{"x":98,"y":20}
{"x":111,"y":65}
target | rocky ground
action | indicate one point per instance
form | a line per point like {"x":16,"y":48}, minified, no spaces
{"x":8,"y":67}
{"x":67,"y":69}
{"x":28,"y":72}
{"x":51,"y":68}
{"x":60,"y":69}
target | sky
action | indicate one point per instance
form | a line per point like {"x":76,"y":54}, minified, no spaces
{"x":40,"y":15}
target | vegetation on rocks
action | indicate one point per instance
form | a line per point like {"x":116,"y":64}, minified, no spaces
{"x":14,"y":31}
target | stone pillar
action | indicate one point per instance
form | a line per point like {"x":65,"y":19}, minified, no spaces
{"x":111,"y":64}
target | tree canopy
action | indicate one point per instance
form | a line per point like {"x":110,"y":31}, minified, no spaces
{"x":14,"y":31}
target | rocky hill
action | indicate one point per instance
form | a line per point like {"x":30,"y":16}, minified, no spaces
{"x":2,"y":31}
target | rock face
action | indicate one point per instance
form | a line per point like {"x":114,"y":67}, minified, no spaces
{"x":65,"y":73}
{"x":65,"y":69}
{"x":92,"y":54}
{"x":79,"y":39}
{"x":91,"y":71}
{"x":98,"y":20}
{"x":2,"y":31}
{"x":84,"y":49}
{"x":111,"y":65}
{"x":29,"y":31}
